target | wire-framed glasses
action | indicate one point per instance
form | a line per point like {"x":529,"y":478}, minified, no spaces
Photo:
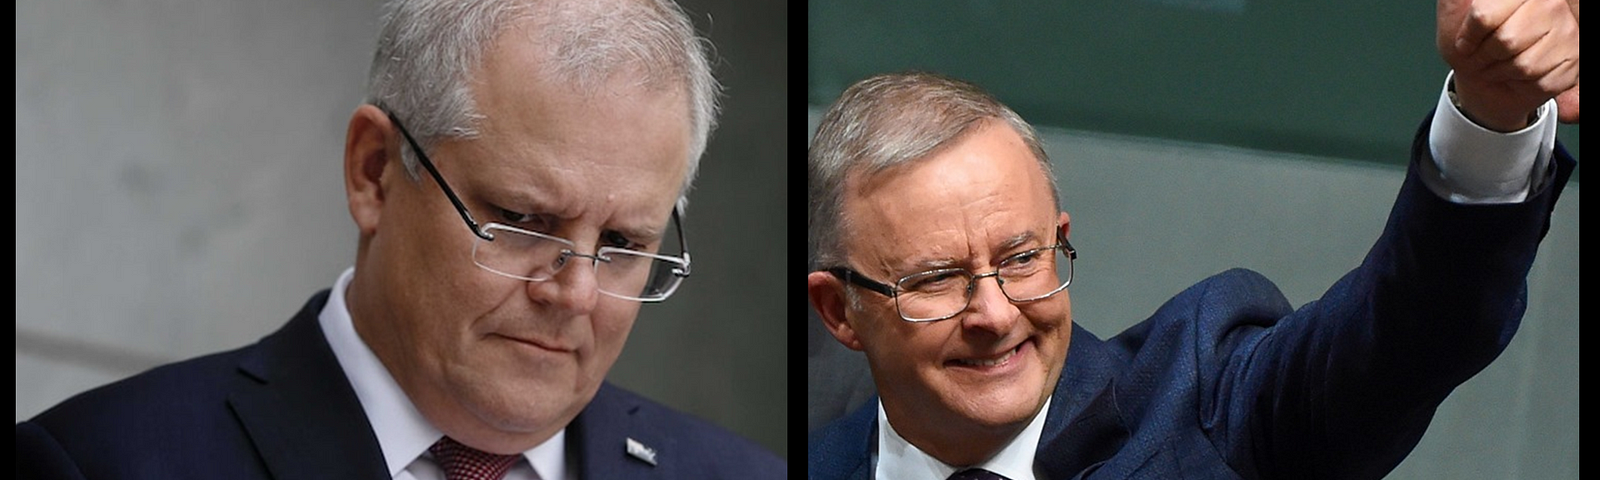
{"x":536,"y":257}
{"x":943,"y":293}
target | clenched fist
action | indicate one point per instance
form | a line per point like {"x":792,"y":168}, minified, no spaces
{"x":1511,"y":56}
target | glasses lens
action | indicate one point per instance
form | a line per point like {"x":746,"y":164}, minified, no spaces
{"x":519,"y":254}
{"x":622,"y":273}
{"x":940,"y":294}
{"x":1030,"y":275}
{"x":933,"y":295}
{"x":638,"y":276}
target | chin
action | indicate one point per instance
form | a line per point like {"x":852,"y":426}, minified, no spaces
{"x":1010,"y":412}
{"x":529,"y":416}
{"x":522,"y":407}
{"x":1007,"y":406}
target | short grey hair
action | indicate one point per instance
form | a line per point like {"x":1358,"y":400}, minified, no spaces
{"x":427,"y":49}
{"x":889,"y":120}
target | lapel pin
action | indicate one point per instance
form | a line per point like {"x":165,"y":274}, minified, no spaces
{"x":640,"y":451}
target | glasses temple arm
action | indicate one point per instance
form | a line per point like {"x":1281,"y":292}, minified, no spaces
{"x":460,"y":208}
{"x":683,"y":242}
{"x":850,"y":276}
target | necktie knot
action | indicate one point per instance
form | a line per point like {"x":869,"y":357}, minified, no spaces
{"x":461,"y":462}
{"x":976,"y":474}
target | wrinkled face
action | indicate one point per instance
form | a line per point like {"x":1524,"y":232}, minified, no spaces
{"x":478,"y":352}
{"x":970,"y":205}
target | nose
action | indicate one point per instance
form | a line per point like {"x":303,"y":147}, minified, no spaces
{"x":572,"y":289}
{"x":989,"y":310}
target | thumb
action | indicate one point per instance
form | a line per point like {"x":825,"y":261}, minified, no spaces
{"x":1567,"y":105}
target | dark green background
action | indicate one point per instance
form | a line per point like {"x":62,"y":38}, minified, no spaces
{"x":1346,"y":79}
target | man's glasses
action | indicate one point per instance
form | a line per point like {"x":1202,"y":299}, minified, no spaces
{"x":943,"y":293}
{"x":536,"y":257}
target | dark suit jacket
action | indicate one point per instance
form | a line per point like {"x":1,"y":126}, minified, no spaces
{"x":1227,"y":381}
{"x":282,"y":409}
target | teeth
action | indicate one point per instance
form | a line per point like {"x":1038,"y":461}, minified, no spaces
{"x":990,"y":363}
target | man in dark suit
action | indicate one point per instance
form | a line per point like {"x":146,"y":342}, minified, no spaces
{"x":517,"y":177}
{"x":942,"y":255}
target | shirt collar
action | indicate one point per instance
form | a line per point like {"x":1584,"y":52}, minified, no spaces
{"x":898,"y":458}
{"x":403,"y":433}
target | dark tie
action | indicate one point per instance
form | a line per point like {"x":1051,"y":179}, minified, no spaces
{"x":461,"y":462}
{"x":976,"y":474}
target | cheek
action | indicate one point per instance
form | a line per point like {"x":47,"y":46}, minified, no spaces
{"x":1049,"y":314}
{"x":434,"y":239}
{"x":1053,"y":320}
{"x":911,"y":350}
{"x":611,"y":325}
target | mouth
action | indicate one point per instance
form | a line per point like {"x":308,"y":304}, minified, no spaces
{"x":546,"y":346}
{"x":992,"y":362}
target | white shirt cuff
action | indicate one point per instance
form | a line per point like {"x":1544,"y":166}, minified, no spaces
{"x":1478,"y":165}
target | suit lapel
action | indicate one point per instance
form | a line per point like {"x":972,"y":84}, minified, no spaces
{"x":1083,"y":426}
{"x":843,"y":449}
{"x":299,"y":409}
{"x":863,"y":469}
{"x":863,"y":435}
{"x":612,"y":439}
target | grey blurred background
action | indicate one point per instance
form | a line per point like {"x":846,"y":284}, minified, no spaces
{"x":179,"y":192}
{"x":1191,"y":136}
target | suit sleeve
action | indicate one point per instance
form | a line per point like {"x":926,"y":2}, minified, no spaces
{"x":1345,"y":386}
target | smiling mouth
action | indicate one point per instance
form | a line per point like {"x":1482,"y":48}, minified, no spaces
{"x":995,"y":361}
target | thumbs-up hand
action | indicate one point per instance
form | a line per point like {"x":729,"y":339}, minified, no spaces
{"x":1510,"y":56}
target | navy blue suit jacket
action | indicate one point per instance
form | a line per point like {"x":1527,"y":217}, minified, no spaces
{"x":283,"y":409}
{"x":1226,"y":380}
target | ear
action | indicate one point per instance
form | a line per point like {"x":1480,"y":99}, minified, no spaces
{"x":827,"y":296}
{"x":366,"y":158}
{"x":1065,"y":222}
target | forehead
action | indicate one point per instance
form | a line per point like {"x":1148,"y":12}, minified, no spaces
{"x":611,"y":140}
{"x":970,"y":197}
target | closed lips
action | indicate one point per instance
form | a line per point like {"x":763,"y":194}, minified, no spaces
{"x":536,"y":343}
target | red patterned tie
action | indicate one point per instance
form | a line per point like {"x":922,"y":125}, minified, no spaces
{"x":461,"y":462}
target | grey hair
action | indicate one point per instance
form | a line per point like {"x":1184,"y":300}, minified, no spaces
{"x":427,"y":50}
{"x":889,"y":120}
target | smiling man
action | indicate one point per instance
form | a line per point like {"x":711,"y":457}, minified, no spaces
{"x":942,"y":253}
{"x":517,"y":178}
{"x":982,"y":201}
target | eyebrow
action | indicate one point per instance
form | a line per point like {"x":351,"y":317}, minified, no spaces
{"x":935,"y":264}
{"x":515,"y":199}
{"x":1017,"y":240}
{"x":646,"y":234}
{"x":1008,"y":244}
{"x":529,"y":202}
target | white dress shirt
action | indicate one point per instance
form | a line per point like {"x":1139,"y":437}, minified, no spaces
{"x":403,"y":434}
{"x":1474,"y":165}
{"x":899,"y":459}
